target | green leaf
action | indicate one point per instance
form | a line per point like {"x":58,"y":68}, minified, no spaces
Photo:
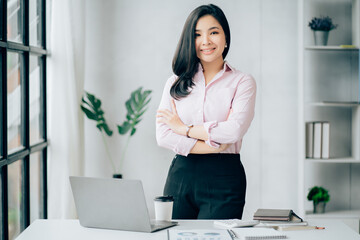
{"x":133,"y":95}
{"x":318,"y":194}
{"x":87,"y":104}
{"x":90,"y":96}
{"x":88,"y":113}
{"x":124,"y":128}
{"x":107,"y":129}
{"x":133,"y":99}
{"x":146,"y":94}
{"x":94,"y":112}
{"x":135,"y":106}
{"x":143,"y":98}
{"x":99,"y":127}
{"x":141,"y":113}
{"x":146,"y":103}
{"x":129,"y":107}
{"x":91,"y":99}
{"x":97,"y":103}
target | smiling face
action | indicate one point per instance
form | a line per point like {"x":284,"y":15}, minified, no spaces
{"x":209,"y":40}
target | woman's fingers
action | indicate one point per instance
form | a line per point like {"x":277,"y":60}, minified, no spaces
{"x":164,"y":113}
{"x":161,"y":120}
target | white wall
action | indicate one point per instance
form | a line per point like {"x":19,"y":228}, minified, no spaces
{"x":131,"y":43}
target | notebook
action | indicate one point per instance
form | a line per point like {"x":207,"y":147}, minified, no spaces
{"x":282,"y":223}
{"x":276,"y":215}
{"x":256,"y":233}
{"x":113,"y":204}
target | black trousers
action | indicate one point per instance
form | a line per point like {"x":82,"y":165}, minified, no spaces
{"x":207,"y":186}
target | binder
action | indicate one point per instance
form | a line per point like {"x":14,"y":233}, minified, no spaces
{"x":309,"y":128}
{"x":317,"y":139}
{"x":325,"y":144}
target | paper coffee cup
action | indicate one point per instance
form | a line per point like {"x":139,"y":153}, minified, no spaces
{"x":163,"y":208}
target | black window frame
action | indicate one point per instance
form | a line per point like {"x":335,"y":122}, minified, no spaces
{"x":23,"y":154}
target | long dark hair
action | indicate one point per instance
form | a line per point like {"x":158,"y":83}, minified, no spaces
{"x":185,"y":61}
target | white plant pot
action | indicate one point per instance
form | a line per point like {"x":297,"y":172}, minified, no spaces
{"x":321,"y":38}
{"x":319,"y":207}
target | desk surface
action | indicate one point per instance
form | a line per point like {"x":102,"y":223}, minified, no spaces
{"x":71,"y":229}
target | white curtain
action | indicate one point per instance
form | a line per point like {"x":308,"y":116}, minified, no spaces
{"x":65,"y":120}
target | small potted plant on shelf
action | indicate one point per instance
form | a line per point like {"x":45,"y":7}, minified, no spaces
{"x":320,"y":197}
{"x":321,"y":27}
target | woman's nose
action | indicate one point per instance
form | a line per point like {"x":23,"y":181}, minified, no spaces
{"x":206,"y":40}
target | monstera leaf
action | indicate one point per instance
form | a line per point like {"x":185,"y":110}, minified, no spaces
{"x":91,"y":106}
{"x":136,"y":107}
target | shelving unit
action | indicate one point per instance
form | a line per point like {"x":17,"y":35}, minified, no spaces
{"x":332,"y":160}
{"x":329,"y":90}
{"x":335,"y":48}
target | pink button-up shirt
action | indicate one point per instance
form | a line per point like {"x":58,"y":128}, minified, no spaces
{"x":210,"y":106}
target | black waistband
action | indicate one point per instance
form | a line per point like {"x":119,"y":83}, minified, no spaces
{"x":211,"y":156}
{"x":213,"y":164}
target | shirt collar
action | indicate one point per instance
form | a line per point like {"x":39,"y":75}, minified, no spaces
{"x":227,"y":67}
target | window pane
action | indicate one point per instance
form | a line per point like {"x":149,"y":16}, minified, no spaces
{"x":14,"y":198}
{"x":34,"y":22}
{"x":14,"y":100}
{"x":35,"y":135}
{"x":36,"y":204}
{"x":14,"y":21}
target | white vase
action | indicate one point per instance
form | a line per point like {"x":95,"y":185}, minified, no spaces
{"x":321,"y":38}
{"x":319,"y":207}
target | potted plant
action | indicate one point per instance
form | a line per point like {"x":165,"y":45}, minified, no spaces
{"x":321,"y":27}
{"x":136,"y":107}
{"x":320,"y":197}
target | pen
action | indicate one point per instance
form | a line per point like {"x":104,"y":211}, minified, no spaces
{"x":292,"y":228}
{"x":232,"y":234}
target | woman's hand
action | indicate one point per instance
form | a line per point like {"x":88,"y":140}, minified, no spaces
{"x":172,"y":119}
{"x":223,"y":147}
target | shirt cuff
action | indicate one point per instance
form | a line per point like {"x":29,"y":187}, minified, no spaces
{"x":184,"y":145}
{"x":208,"y":127}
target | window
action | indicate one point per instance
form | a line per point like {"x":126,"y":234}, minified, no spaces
{"x":23,"y":142}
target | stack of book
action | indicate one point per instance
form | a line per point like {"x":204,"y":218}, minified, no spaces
{"x":278,"y":218}
{"x":318,"y":140}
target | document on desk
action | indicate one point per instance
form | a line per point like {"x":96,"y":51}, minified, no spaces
{"x":199,"y":234}
{"x":255,"y":233}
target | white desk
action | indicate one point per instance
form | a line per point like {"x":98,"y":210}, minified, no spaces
{"x":71,"y":229}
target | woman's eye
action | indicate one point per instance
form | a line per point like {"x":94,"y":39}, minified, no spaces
{"x":197,"y":35}
{"x":212,"y":33}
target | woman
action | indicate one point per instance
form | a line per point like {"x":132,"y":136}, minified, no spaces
{"x":206,"y":108}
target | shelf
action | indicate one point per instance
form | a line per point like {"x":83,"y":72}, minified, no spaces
{"x":333,"y":160}
{"x":335,"y":104}
{"x":329,"y":85}
{"x":334,"y":214}
{"x":332,"y":48}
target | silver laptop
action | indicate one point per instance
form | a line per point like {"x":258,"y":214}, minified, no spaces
{"x":113,"y":204}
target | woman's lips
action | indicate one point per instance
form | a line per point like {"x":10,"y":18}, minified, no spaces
{"x":207,"y":51}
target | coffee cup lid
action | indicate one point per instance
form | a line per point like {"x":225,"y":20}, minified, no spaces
{"x":167,"y":198}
